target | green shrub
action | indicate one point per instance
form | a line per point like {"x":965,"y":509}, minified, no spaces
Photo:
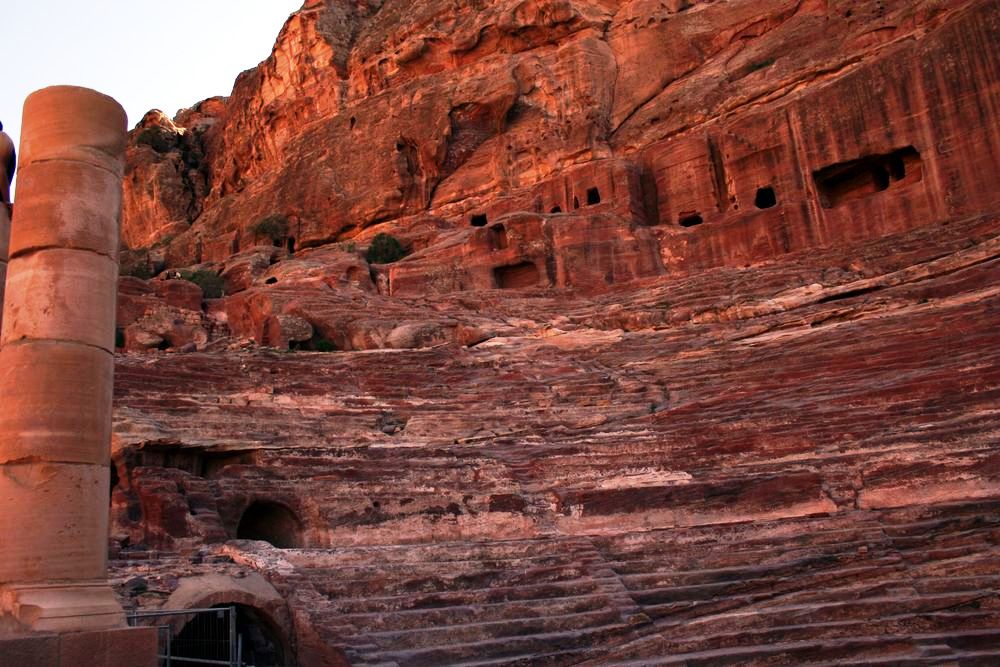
{"x":138,"y":269}
{"x":210,"y":282}
{"x":324,"y":345}
{"x":274,"y":227}
{"x":384,"y":249}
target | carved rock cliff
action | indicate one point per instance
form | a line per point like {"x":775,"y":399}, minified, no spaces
{"x":693,"y":355}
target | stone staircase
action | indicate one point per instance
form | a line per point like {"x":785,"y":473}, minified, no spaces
{"x":918,"y":586}
{"x":761,"y":434}
{"x":539,"y":602}
{"x":913,"y":586}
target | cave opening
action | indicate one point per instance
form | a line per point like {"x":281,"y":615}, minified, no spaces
{"x":271,"y":281}
{"x":846,"y":181}
{"x":206,"y":638}
{"x":291,"y":245}
{"x":271,"y":522}
{"x":478,"y":220}
{"x":593,"y":196}
{"x":766,"y":198}
{"x":576,"y":203}
{"x":516,"y":276}
{"x":690,"y":219}
{"x":556,"y":209}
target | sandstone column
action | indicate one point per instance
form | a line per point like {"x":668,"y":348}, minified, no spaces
{"x":56,"y":364}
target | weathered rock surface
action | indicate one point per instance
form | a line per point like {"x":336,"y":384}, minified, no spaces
{"x":484,"y":110}
{"x":161,"y":314}
{"x":694,"y":356}
{"x":825,"y":424}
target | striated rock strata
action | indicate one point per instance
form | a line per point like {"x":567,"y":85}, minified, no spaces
{"x":693,"y":356}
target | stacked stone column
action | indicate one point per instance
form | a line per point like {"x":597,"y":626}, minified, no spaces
{"x":56,"y":364}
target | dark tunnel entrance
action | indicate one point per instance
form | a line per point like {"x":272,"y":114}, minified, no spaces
{"x":227,"y":634}
{"x":270,"y":522}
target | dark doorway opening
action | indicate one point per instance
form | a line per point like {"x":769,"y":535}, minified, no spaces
{"x":291,"y":245}
{"x":867,"y":176}
{"x":210,"y":636}
{"x":516,"y":276}
{"x":765,"y":198}
{"x":691,"y":219}
{"x":478,"y":220}
{"x":498,"y":237}
{"x":556,"y":209}
{"x":270,"y":522}
{"x":593,"y":196}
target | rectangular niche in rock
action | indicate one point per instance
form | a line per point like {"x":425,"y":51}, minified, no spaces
{"x":498,"y":237}
{"x":516,"y":276}
{"x":866,"y":176}
{"x":690,"y":219}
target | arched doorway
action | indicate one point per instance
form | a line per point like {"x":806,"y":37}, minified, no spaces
{"x":270,"y":522}
{"x":206,"y":638}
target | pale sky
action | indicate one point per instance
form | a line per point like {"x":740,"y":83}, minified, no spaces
{"x":165,"y":54}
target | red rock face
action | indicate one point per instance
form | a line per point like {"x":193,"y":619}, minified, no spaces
{"x":732,"y":115}
{"x":693,"y":351}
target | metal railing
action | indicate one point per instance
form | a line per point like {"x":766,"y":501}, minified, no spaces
{"x":205,"y":637}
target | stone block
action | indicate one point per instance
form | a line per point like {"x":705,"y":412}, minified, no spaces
{"x":120,"y":647}
{"x":66,"y":295}
{"x":67,"y":204}
{"x":29,"y":650}
{"x":64,"y":607}
{"x":39,"y":381}
{"x":57,"y":516}
{"x":71,"y":123}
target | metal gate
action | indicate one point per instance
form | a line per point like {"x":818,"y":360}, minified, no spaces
{"x":206,"y":637}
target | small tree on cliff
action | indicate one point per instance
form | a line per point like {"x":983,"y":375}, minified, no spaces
{"x":274,"y":227}
{"x":384,"y":249}
{"x":211,"y":283}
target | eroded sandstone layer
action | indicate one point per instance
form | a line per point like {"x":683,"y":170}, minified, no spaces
{"x":694,"y":356}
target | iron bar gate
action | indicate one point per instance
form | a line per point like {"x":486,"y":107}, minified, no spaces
{"x":209,"y":637}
